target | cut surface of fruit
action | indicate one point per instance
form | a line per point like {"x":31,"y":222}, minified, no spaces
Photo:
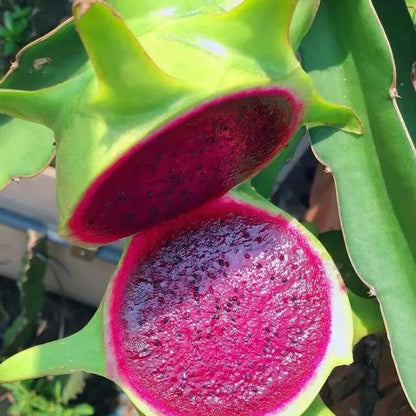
{"x":227,"y":310}
{"x":192,"y":159}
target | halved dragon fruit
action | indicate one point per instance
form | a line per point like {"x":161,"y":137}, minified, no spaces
{"x":173,"y":109}
{"x":233,"y":309}
{"x":194,"y":158}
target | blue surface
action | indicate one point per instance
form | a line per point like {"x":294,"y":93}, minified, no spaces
{"x":23,"y":223}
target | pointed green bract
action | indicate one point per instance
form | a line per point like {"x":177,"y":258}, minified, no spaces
{"x":375,"y":175}
{"x":41,"y":106}
{"x":324,"y":113}
{"x":142,"y":81}
{"x":127,"y":78}
{"x":81,"y":351}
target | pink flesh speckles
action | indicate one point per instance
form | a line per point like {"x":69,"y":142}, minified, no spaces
{"x":229,"y":317}
{"x":193,"y":159}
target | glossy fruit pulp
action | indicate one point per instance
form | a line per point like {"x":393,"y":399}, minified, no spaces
{"x":223,"y":312}
{"x":192,"y":159}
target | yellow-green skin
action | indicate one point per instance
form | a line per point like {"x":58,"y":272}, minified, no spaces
{"x":155,"y":65}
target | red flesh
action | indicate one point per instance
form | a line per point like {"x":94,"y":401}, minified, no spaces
{"x":192,"y":159}
{"x":219,"y":314}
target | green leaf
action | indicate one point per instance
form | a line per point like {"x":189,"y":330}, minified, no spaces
{"x":411,"y":5}
{"x":303,"y":16}
{"x":318,"y":408}
{"x":9,"y":47}
{"x":366,"y":311}
{"x":31,"y":301}
{"x":7,"y":20}
{"x":401,"y":34}
{"x":334,"y":243}
{"x":17,"y":137}
{"x":375,"y":174}
{"x":264,"y":181}
{"x":19,"y":27}
{"x":83,"y":410}
{"x":57,"y":390}
{"x":42,"y":64}
{"x":73,"y":386}
{"x":14,"y":409}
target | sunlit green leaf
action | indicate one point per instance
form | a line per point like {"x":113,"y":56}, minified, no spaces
{"x":375,"y":174}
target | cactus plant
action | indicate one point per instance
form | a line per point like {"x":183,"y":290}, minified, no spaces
{"x":157,"y":113}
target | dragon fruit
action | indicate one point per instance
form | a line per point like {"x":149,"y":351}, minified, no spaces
{"x":174,"y":107}
{"x":232,"y":309}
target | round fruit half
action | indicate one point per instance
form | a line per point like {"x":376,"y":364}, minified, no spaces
{"x":231,"y":310}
